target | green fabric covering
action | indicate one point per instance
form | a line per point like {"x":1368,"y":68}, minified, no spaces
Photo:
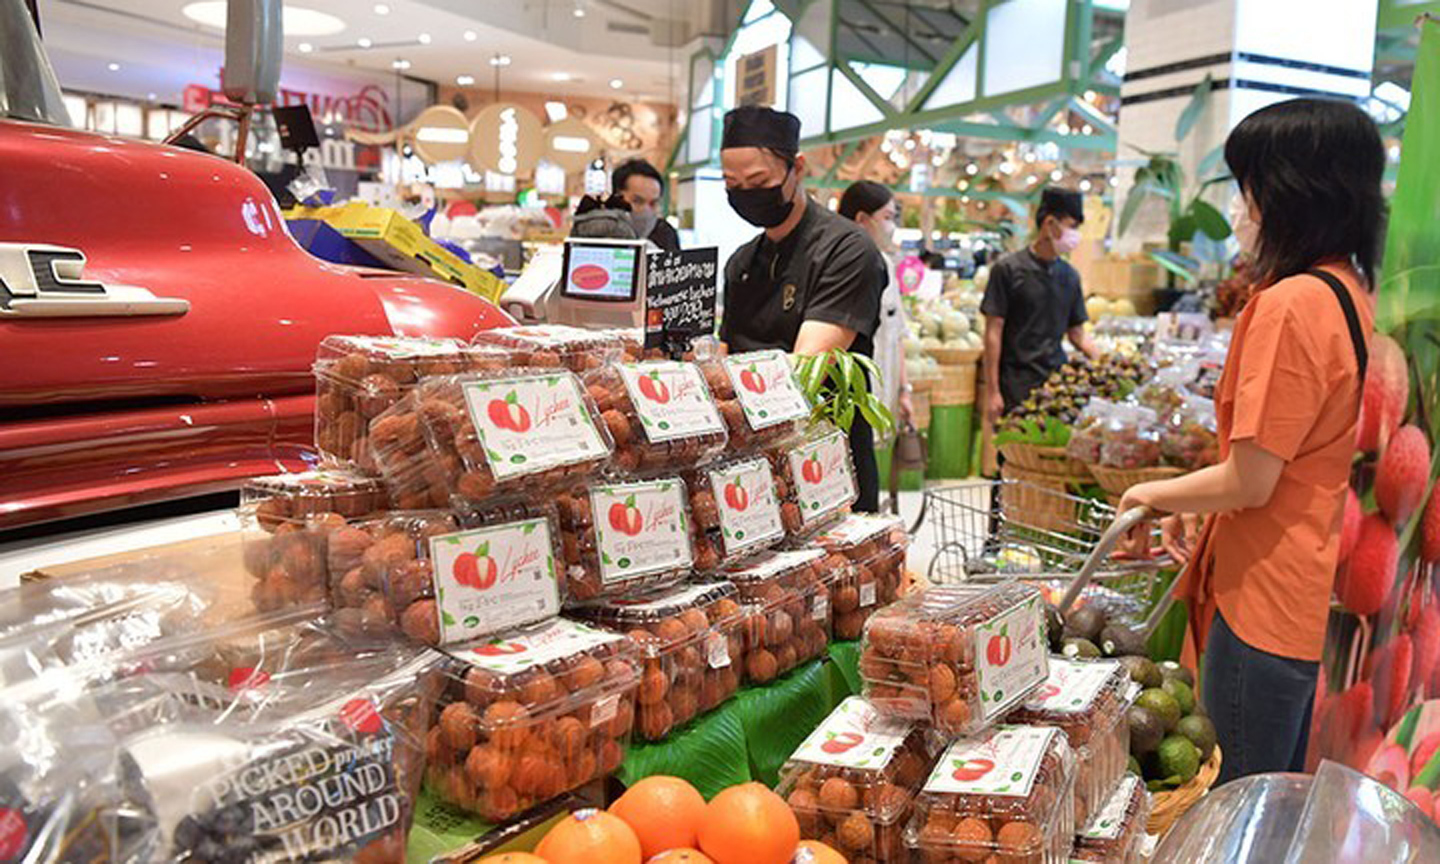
{"x":951,"y":431}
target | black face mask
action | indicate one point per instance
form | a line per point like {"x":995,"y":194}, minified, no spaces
{"x":764,"y":207}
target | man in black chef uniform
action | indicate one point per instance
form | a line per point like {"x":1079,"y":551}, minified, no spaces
{"x":811,"y":281}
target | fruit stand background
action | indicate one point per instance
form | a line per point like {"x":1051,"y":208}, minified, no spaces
{"x":1383,"y":645}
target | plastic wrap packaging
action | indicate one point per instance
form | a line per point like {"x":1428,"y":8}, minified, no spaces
{"x":815,"y":478}
{"x":735,"y":509}
{"x":867,"y":568}
{"x":619,"y":538}
{"x":960,"y":657}
{"x":787,"y":606}
{"x":1130,"y":438}
{"x":1087,"y":438}
{"x":1116,"y":833}
{"x":632,"y":344}
{"x":659,"y":414}
{"x":554,"y":346}
{"x":287,"y":519}
{"x":358,"y":377}
{"x":1005,"y":793}
{"x":692,"y":650}
{"x":531,"y":714}
{"x":852,"y":782}
{"x":470,"y":437}
{"x":758,"y":396}
{"x":1189,"y":437}
{"x":1087,"y":700}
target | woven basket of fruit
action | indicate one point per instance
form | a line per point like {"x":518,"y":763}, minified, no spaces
{"x":950,"y":356}
{"x":924,"y":383}
{"x":1043,"y":460}
{"x":1115,"y":481}
{"x":1167,"y":806}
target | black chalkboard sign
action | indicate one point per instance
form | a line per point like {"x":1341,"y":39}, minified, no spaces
{"x":680,"y":296}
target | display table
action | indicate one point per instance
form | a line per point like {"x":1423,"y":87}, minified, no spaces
{"x":747,"y":738}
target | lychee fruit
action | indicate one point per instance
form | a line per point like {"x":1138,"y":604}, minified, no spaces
{"x":1422,"y":798}
{"x":1427,"y":643}
{"x":1430,"y":529}
{"x":1420,"y":756}
{"x":1393,"y":663}
{"x":1356,"y":706}
{"x":1371,"y":571}
{"x":1384,"y":397}
{"x":1388,"y":765}
{"x":1402,"y":474}
{"x":1350,"y":525}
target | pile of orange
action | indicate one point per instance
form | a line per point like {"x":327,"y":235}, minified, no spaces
{"x":664,"y":820}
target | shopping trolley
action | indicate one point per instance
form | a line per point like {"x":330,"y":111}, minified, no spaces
{"x":1061,"y":542}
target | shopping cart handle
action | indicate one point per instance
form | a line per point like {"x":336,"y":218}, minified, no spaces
{"x":1121,"y":526}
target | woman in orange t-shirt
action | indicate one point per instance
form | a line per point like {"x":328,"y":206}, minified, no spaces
{"x":1258,"y":588}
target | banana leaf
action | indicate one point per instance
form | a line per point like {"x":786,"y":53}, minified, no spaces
{"x":846,"y":657}
{"x":779,"y":716}
{"x":711,"y":753}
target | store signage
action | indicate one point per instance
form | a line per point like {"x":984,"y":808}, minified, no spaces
{"x":506,"y":138}
{"x":755,"y":78}
{"x":366,"y":111}
{"x":680,"y":295}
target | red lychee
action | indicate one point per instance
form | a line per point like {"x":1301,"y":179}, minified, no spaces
{"x":1430,"y":529}
{"x":1350,"y":524}
{"x":1422,"y":798}
{"x":1420,"y":756}
{"x":1402,"y":474}
{"x":1393,"y":663}
{"x":1387,"y":390}
{"x":1427,"y":643}
{"x":1356,"y":706}
{"x":1371,"y":570}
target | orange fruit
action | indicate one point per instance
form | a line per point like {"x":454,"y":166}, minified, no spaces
{"x":749,"y":824}
{"x":590,"y":837}
{"x":815,"y":852}
{"x":680,"y":856}
{"x":664,"y":812}
{"x":513,"y":858}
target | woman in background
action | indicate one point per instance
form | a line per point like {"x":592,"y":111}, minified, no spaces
{"x":873,"y":207}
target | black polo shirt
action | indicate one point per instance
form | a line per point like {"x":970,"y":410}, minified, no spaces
{"x":827,"y":269}
{"x":1039,"y":301}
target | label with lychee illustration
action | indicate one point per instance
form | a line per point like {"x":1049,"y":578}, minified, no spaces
{"x":640,"y":529}
{"x":671,"y":400}
{"x":518,"y":650}
{"x":491,"y":578}
{"x":1003,"y":760}
{"x":824,"y":480}
{"x":1108,"y":823}
{"x":765,"y":384}
{"x":532,"y":423}
{"x":1010,"y":655}
{"x":1072,"y":686}
{"x":745,"y":497}
{"x":855,"y":735}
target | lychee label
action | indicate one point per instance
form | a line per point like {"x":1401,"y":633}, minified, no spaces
{"x":765,"y":384}
{"x":1000,"y":761}
{"x":640,"y":529}
{"x":855,"y":735}
{"x":749,"y":511}
{"x":491,"y":578}
{"x":1072,"y":686}
{"x":555,"y":639}
{"x":824,"y":479}
{"x":671,"y":400}
{"x":532,"y":423}
{"x":1010,"y":656}
{"x":1110,"y":821}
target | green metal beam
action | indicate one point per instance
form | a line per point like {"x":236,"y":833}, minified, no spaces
{"x":898,"y":30}
{"x":1094,"y":115}
{"x":885,"y":108}
{"x":1100,"y":141}
{"x":1049,"y":111}
{"x":1105,"y":52}
{"x":947,"y":63}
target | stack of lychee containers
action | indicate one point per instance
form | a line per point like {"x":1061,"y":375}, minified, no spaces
{"x":470,"y":494}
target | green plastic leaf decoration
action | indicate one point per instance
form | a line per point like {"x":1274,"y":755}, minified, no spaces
{"x":1199,"y":101}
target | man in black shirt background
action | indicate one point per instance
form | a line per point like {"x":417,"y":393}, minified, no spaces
{"x":641,"y":186}
{"x":1032,"y":303}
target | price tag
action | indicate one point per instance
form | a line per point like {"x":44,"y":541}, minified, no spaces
{"x":605,"y":710}
{"x":717,"y":647}
{"x":821,"y":609}
{"x":867,"y":593}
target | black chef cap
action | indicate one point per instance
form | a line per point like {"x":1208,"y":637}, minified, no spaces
{"x":758,"y":126}
{"x":1055,"y":201}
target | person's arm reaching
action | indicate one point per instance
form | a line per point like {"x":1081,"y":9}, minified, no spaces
{"x":994,"y":402}
{"x":1245,"y":480}
{"x":1082,"y":342}
{"x":817,"y":337}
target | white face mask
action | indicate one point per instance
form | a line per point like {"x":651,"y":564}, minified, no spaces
{"x":1247,"y":232}
{"x":1068,"y":241}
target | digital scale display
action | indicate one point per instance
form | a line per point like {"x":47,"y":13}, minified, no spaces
{"x":601,"y":271}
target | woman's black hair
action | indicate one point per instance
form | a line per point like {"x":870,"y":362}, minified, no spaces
{"x":1313,"y":167}
{"x":634,"y":168}
{"x":864,"y":196}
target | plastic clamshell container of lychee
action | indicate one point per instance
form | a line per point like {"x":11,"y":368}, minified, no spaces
{"x":726,"y":528}
{"x":381,"y":578}
{"x":873,"y":548}
{"x":929,"y":655}
{"x":555,"y":346}
{"x":286,"y":520}
{"x":693,"y":435}
{"x":852,"y":782}
{"x":1087,"y":699}
{"x":439,"y":445}
{"x":829,"y":501}
{"x":787,"y":605}
{"x":529,"y":714}
{"x":1116,"y":833}
{"x":727,"y":375}
{"x":691,"y":645}
{"x":959,"y":816}
{"x":358,"y":377}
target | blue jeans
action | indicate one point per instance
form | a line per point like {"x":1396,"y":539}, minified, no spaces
{"x":1259,"y":702}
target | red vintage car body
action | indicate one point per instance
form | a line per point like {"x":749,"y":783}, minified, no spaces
{"x":98,"y":413}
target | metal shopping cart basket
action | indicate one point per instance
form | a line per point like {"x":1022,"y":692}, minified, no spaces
{"x":1059,"y":541}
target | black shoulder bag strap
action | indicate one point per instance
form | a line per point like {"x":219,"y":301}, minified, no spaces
{"x":1352,"y":317}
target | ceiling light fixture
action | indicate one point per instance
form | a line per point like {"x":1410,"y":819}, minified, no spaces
{"x":563,"y":76}
{"x":423,"y":38}
{"x":972,"y":169}
{"x":364,"y":42}
{"x":382,"y":9}
{"x":1057,"y":175}
{"x":305,"y":47}
{"x":570,"y":144}
{"x":471,"y":35}
{"x":400,"y":63}
{"x":1085,"y":185}
{"x":295,"y":20}
{"x":500,"y":60}
{"x":113,"y":67}
{"x":556,"y":111}
{"x":464,"y":80}
{"x":150,"y":96}
{"x":579,"y":11}
{"x":616,"y":83}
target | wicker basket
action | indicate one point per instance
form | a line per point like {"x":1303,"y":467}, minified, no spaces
{"x":924,"y":383}
{"x":956,"y":386}
{"x":920,"y":401}
{"x":955,"y":356}
{"x":1032,"y":502}
{"x":1045,"y":460}
{"x":1168,"y":806}
{"x":1115,"y":481}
